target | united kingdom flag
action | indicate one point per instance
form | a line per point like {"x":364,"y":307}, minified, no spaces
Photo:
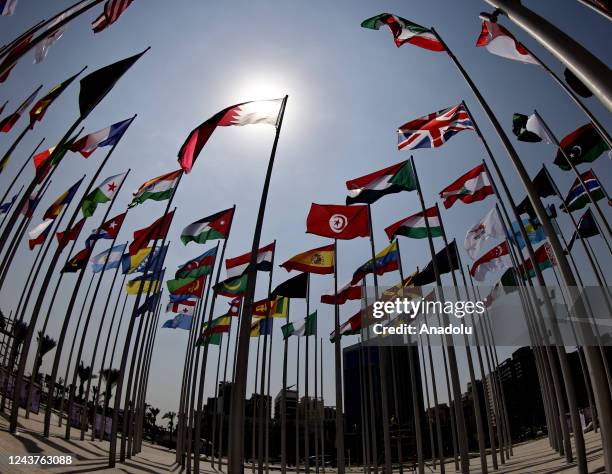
{"x":431,"y":131}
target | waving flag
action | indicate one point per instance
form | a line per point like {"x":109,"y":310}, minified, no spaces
{"x":185,"y":306}
{"x":109,"y":259}
{"x":14,"y":55}
{"x":157,"y":189}
{"x":7,"y":123}
{"x":349,"y":328}
{"x":212,"y":227}
{"x":415,"y":227}
{"x":38,"y":234}
{"x":435,"y":129}
{"x":308,"y":327}
{"x":491,"y":261}
{"x":198,"y":266}
{"x":187,"y":286}
{"x":6,"y":206}
{"x":40,"y":108}
{"x":499,"y":41}
{"x":427,"y":275}
{"x":56,"y":208}
{"x":246,"y":113}
{"x":103,"y":193}
{"x":587,"y":227}
{"x":262,"y":327}
{"x":338,"y":222}
{"x":370,"y":188}
{"x":180,"y":321}
{"x":78,"y":262}
{"x":345,"y":293}
{"x":489,"y":227}
{"x":232,"y":286}
{"x":108,"y":136}
{"x":108,"y":230}
{"x":577,"y":196}
{"x":405,"y":31}
{"x":239,"y":265}
{"x":137,"y":262}
{"x":583,"y":145}
{"x":70,"y":235}
{"x":7,"y":7}
{"x":113,"y":9}
{"x":385,"y":261}
{"x":157,"y":230}
{"x":473,"y":186}
{"x":150,"y":304}
{"x":319,"y":260}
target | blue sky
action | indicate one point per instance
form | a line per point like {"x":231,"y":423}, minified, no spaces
{"x":349,"y":88}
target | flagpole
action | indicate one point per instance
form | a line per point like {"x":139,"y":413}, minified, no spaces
{"x":429,"y":422}
{"x":216,"y":404}
{"x":10,"y":205}
{"x":283,"y":408}
{"x":269,"y":403}
{"x":23,"y":167}
{"x":297,"y":409}
{"x":364,"y":428}
{"x":370,"y":393}
{"x":322,"y":414}
{"x":255,"y":399}
{"x":104,"y":354}
{"x":235,"y":462}
{"x":450,"y":349}
{"x":338,"y":371}
{"x":576,"y":172}
{"x":306,"y":391}
{"x":316,"y":387}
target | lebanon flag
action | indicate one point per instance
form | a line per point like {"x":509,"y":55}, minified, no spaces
{"x":491,"y":261}
{"x":338,"y":222}
{"x":212,"y":227}
{"x":473,"y":186}
{"x":346,"y":293}
{"x":108,"y":136}
{"x":405,"y":31}
{"x":246,"y":113}
{"x":7,"y":123}
{"x":238,"y":266}
{"x":498,"y":40}
{"x":155,"y":231}
{"x":371,"y":187}
{"x":415,"y":227}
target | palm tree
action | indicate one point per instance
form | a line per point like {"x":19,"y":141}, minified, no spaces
{"x":45,"y":345}
{"x":170,"y":415}
{"x":153,"y":412}
{"x":19,"y":332}
{"x":83,"y":373}
{"x":110,"y":376}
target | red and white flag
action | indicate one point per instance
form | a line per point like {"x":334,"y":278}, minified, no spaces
{"x":113,"y":9}
{"x":346,"y":293}
{"x":473,"y":186}
{"x":338,"y":222}
{"x":498,"y":40}
{"x":238,"y":266}
{"x":495,"y":259}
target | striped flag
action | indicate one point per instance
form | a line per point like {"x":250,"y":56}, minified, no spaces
{"x":7,"y":7}
{"x":113,"y":9}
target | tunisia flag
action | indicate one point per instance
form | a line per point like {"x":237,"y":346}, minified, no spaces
{"x":338,"y":222}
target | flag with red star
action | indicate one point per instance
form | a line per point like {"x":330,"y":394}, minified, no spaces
{"x":108,"y":230}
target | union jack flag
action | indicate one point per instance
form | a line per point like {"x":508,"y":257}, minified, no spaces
{"x":431,"y":131}
{"x":112,"y":11}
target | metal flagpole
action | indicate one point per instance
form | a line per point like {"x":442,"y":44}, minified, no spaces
{"x":269,"y":404}
{"x":450,"y":349}
{"x":283,"y":407}
{"x":236,"y":430}
{"x":316,"y":390}
{"x":429,"y":422}
{"x":322,"y":414}
{"x":297,"y":409}
{"x":23,"y":167}
{"x":255,"y":400}
{"x":585,"y":66}
{"x":370,"y":394}
{"x":338,"y":371}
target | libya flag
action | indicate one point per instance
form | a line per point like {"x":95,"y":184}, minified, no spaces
{"x":308,"y":327}
{"x":415,"y":226}
{"x":583,"y":145}
{"x":212,"y":227}
{"x":232,"y":286}
{"x":157,"y":189}
{"x":103,"y":193}
{"x":529,"y":128}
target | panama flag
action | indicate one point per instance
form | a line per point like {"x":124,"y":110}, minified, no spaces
{"x":415,"y":226}
{"x":433,"y":130}
{"x":246,"y":113}
{"x":405,"y":31}
{"x":108,"y":136}
{"x":473,"y":186}
{"x":7,"y":7}
{"x":498,"y":40}
{"x":109,"y":259}
{"x":494,"y":259}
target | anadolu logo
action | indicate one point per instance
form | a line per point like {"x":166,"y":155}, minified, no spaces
{"x":338,"y":223}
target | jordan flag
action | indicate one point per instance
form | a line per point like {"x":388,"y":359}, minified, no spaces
{"x":338,"y":222}
{"x":473,"y":186}
{"x":246,"y":113}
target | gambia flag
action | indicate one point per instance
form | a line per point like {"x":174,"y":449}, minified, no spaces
{"x":308,"y":327}
{"x":232,"y":286}
{"x":198,"y":266}
{"x":103,"y":193}
{"x":415,"y":226}
{"x":577,"y":197}
{"x":583,"y":145}
{"x":371,"y":187}
{"x":405,"y":31}
{"x":157,"y":189}
{"x":349,"y":328}
{"x":473,"y":186}
{"x":212,"y":227}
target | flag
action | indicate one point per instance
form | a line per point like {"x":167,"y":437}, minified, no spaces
{"x":40,"y":108}
{"x":108,"y":136}
{"x":577,"y":197}
{"x":150,"y":304}
{"x":415,"y":227}
{"x":370,"y":188}
{"x":137,"y":262}
{"x":489,"y":227}
{"x":7,"y":7}
{"x":58,"y":205}
{"x":109,"y":259}
{"x":70,"y":235}
{"x":387,"y":260}
{"x":275,"y":307}
{"x":338,"y":222}
{"x":180,"y":321}
{"x":473,"y":186}
{"x":587,"y":227}
{"x":14,"y":55}
{"x":30,"y":205}
{"x":345,"y":293}
{"x":6,"y":206}
{"x":308,"y":327}
{"x":157,"y":230}
{"x":7,"y":122}
{"x":198,"y":266}
{"x":261,"y":327}
{"x":433,"y":130}
{"x":499,"y":41}
{"x":103,"y":193}
{"x":38,"y":234}
{"x":544,"y":187}
{"x":3,"y":105}
{"x":491,"y":261}
{"x":186,"y":286}
{"x":427,"y":275}
{"x":78,"y":262}
{"x":212,"y":227}
{"x":239,"y":265}
{"x":319,"y":261}
{"x":349,"y":328}
{"x":113,"y":9}
{"x":157,"y":189}
{"x":218,"y":325}
{"x":96,"y":85}
{"x":185,"y":306}
{"x":108,"y":230}
{"x":42,"y":164}
{"x":405,"y":31}
{"x":544,"y":259}
{"x":232,"y":286}
{"x":50,"y":37}
{"x":535,"y":232}
{"x":529,"y":129}
{"x":234,"y":306}
{"x":149,"y":284}
{"x":294,"y":287}
{"x":583,"y":145}
{"x":246,"y":113}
